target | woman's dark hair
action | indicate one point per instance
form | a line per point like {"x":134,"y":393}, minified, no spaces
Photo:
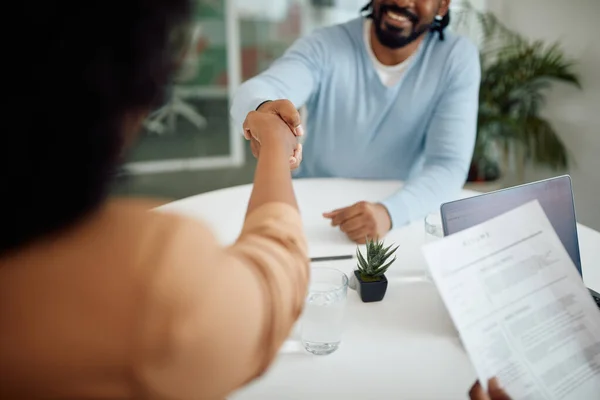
{"x":78,"y":71}
{"x":437,"y":26}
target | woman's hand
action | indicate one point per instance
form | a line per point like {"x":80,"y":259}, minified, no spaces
{"x":295,"y":159}
{"x":495,"y":392}
{"x":285,"y":110}
{"x":272,"y":178}
{"x":270,"y":130}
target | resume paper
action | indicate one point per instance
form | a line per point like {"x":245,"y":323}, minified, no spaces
{"x":520,"y":306}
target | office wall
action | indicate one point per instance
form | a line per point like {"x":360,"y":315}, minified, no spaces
{"x":575,"y":114}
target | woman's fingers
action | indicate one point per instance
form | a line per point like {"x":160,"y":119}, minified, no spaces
{"x":495,"y":392}
{"x":296,"y":159}
{"x":477,"y":392}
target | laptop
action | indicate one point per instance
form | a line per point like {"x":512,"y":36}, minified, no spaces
{"x":555,"y":195}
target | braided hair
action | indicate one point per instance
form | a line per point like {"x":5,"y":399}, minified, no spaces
{"x":438,"y":25}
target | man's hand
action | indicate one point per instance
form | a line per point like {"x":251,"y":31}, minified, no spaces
{"x":269,"y":130}
{"x":361,"y":221}
{"x":285,"y":110}
{"x":495,"y":392}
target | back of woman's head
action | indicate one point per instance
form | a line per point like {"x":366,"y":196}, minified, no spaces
{"x":81,"y":76}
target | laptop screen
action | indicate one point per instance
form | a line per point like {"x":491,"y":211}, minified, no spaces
{"x":554,"y":195}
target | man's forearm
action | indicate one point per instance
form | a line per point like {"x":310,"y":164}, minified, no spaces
{"x":293,"y":77}
{"x":448,"y":146}
{"x":425,"y":193}
{"x":249,"y":97}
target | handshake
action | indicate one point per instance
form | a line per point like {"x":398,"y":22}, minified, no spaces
{"x":275,"y":121}
{"x":276,"y":124}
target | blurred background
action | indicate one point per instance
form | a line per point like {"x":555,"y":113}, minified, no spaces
{"x":539,"y":109}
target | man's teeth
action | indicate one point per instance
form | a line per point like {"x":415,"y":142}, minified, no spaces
{"x":397,"y":17}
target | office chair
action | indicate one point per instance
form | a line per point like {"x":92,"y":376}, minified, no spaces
{"x":177,"y":105}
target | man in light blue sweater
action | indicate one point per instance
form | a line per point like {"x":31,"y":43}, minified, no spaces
{"x":389,"y":96}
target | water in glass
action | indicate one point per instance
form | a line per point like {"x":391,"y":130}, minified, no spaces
{"x":434,"y":230}
{"x":322,"y":321}
{"x":433,"y":227}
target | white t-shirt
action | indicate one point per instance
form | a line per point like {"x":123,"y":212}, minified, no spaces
{"x":390,"y":75}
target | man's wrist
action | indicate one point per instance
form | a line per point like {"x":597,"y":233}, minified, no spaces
{"x":262,"y":104}
{"x":387,"y":211}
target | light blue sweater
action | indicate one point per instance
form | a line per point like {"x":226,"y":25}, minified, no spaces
{"x":421,"y":131}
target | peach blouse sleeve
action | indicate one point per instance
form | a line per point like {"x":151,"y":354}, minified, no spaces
{"x":218,"y":315}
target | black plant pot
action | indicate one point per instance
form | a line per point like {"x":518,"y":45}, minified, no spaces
{"x":370,"y":292}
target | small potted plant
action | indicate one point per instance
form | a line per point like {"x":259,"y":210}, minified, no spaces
{"x":370,"y":275}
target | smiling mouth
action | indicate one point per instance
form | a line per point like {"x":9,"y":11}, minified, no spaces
{"x":398,"y":19}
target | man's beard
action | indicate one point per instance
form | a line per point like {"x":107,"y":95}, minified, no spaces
{"x":393,"y":37}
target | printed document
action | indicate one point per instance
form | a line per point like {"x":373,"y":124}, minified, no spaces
{"x":520,"y":306}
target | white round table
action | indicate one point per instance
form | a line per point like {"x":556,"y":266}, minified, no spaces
{"x":404,"y":347}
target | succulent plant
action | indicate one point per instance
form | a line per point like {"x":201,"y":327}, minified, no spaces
{"x":376,"y":263}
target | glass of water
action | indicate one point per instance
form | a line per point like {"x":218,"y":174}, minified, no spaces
{"x":434,"y":230}
{"x":433,"y":227}
{"x":322,"y":320}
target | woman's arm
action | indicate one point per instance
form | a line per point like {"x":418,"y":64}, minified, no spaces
{"x":272,"y":179}
{"x":217,"y":316}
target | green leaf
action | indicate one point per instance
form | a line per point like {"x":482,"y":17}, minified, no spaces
{"x":376,"y":256}
{"x":388,"y":253}
{"x":516,"y":76}
{"x":362,"y":263}
{"x":383,"y":270}
{"x":544,"y":145}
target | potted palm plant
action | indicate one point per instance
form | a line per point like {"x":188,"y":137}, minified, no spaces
{"x":370,"y":272}
{"x":516,"y":73}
